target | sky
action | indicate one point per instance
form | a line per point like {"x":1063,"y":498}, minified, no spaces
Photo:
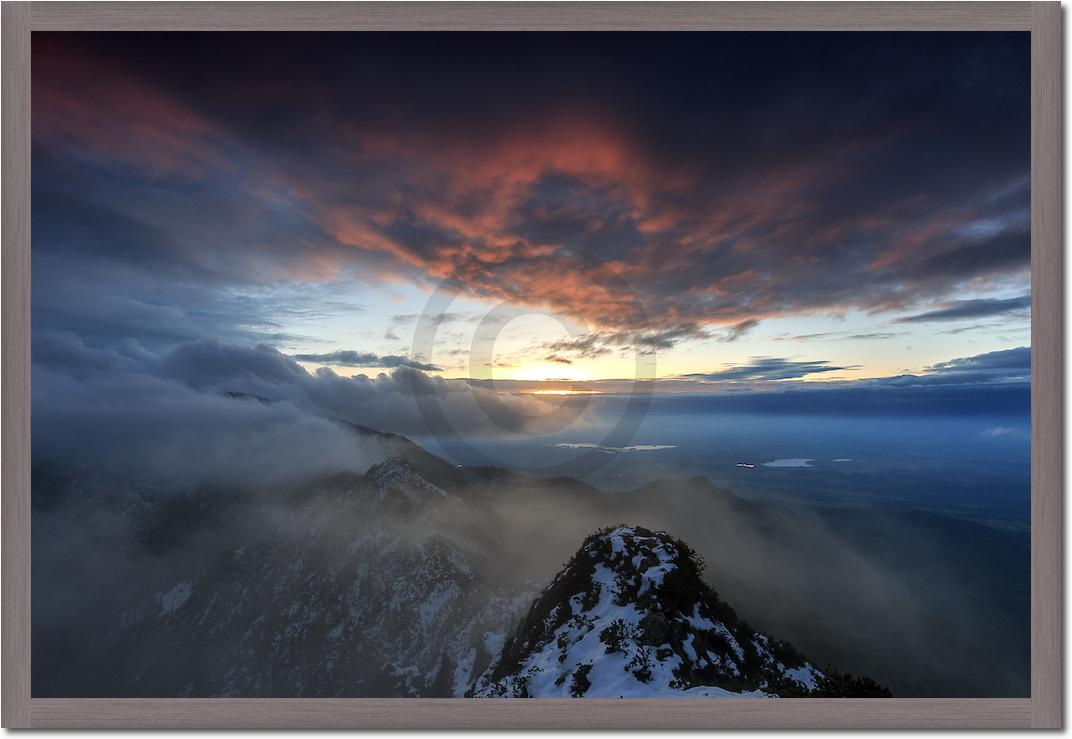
{"x":556,"y":211}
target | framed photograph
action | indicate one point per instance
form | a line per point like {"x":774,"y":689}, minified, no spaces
{"x":532,"y":365}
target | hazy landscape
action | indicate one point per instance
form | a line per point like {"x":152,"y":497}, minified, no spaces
{"x":531,"y":365}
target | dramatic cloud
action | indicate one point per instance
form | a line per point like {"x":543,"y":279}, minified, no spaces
{"x":203,"y":201}
{"x":961,"y":309}
{"x":666,"y":187}
{"x":350,"y":358}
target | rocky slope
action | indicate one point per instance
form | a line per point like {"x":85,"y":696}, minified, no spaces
{"x":354,"y":587}
{"x":630,"y":617}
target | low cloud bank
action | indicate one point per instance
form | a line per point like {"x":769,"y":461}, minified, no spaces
{"x":209,"y":412}
{"x":351,"y":358}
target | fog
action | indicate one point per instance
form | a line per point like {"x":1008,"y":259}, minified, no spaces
{"x":173,"y":418}
{"x":928,"y":606}
{"x":152,"y":470}
{"x":925,"y":604}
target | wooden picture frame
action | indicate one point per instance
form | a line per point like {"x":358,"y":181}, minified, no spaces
{"x":1042,"y":710}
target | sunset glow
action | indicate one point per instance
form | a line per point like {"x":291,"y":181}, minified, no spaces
{"x":587,"y":237}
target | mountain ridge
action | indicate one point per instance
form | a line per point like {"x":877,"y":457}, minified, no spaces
{"x":209,"y":578}
{"x":630,"y":616}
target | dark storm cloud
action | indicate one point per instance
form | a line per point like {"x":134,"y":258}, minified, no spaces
{"x":962,"y":309}
{"x":350,"y":358}
{"x":665,"y":186}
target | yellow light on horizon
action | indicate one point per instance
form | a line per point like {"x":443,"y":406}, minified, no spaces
{"x":563,"y":391}
{"x":549,"y":373}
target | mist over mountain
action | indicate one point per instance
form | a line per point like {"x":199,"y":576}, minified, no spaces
{"x":412,"y":576}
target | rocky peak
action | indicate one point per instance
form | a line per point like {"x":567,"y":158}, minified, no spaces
{"x":630,"y":616}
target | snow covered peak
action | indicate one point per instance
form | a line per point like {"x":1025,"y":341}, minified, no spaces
{"x":630,"y":616}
